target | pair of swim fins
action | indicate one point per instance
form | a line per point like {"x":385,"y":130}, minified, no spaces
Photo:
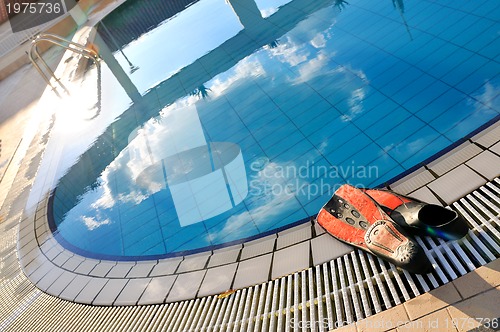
{"x":378,"y":221}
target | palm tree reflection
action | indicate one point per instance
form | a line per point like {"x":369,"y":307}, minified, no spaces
{"x":341,"y":4}
{"x":201,"y":92}
{"x":273,"y":44}
{"x":400,"y":6}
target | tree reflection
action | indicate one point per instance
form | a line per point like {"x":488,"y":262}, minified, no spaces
{"x":341,"y":4}
{"x":201,"y":92}
{"x":400,"y":6}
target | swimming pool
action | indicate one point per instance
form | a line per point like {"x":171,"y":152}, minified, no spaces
{"x":222,"y":121}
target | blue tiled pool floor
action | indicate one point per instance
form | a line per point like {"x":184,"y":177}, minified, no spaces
{"x":223,"y":137}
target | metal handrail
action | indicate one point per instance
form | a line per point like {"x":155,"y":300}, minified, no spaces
{"x":58,"y":41}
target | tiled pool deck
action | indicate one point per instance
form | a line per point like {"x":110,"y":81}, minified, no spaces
{"x":59,"y":272}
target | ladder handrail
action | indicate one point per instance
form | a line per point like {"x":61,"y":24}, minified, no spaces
{"x":58,"y":41}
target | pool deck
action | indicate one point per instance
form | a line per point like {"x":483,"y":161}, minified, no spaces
{"x":465,"y":300}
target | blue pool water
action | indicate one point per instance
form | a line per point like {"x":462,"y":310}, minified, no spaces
{"x":230,"y":120}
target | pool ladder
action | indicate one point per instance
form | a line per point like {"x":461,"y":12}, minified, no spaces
{"x":64,"y":43}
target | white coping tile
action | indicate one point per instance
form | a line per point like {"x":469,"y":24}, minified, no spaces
{"x":43,"y":269}
{"x":27,"y":244}
{"x":258,"y":247}
{"x":496,"y":148}
{"x":62,"y":258}
{"x":32,"y":263}
{"x":157,"y":290}
{"x":48,"y":279}
{"x":25,"y":231}
{"x":486,"y":163}
{"x":43,"y":229}
{"x":110,"y":292}
{"x":294,"y":235}
{"x":218,"y":280}
{"x":141,"y":269}
{"x":186,"y":286}
{"x":413,"y":181}
{"x":225,"y":256}
{"x":291,"y":259}
{"x":489,"y":136}
{"x":44,"y":237}
{"x":425,"y":194}
{"x":73,"y":263}
{"x":91,"y":289}
{"x":52,"y":252}
{"x":75,"y":287}
{"x":101,"y":269}
{"x":132,"y":291}
{"x":457,"y":183}
{"x":454,"y":158}
{"x":326,"y":247}
{"x":27,"y":257}
{"x":47,"y":245}
{"x":86,"y":266}
{"x":120,"y":270}
{"x":317,"y":228}
{"x":166,"y":266}
{"x":253,"y":271}
{"x":61,"y":283}
{"x":194,"y":262}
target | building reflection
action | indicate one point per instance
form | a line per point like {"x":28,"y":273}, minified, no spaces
{"x":146,"y":105}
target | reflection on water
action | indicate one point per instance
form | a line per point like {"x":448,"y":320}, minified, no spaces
{"x":195,"y":157}
{"x":175,"y":43}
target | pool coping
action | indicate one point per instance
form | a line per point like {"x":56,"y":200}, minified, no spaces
{"x":62,"y":273}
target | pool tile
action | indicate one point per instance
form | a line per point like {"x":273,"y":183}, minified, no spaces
{"x":454,"y":158}
{"x":291,"y":259}
{"x":467,"y":117}
{"x":63,"y":281}
{"x":425,"y":195}
{"x":325,"y":248}
{"x":141,"y":269}
{"x":496,"y":148}
{"x":166,"y":266}
{"x":186,"y":286}
{"x":157,"y":290}
{"x":218,"y":280}
{"x":86,"y":266}
{"x":194,"y":262}
{"x":73,"y":263}
{"x":75,"y":287}
{"x":110,"y":292}
{"x":432,"y":148}
{"x":225,"y":256}
{"x":102,"y":269}
{"x":247,"y":273}
{"x":132,"y":291}
{"x":49,"y":278}
{"x":486,"y":164}
{"x":413,"y":181}
{"x":456,"y":183}
{"x":488,"y":137}
{"x":258,"y":247}
{"x":120,"y":270}
{"x":294,"y":235}
{"x":410,"y":146}
{"x":91,"y":290}
{"x":38,"y":269}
